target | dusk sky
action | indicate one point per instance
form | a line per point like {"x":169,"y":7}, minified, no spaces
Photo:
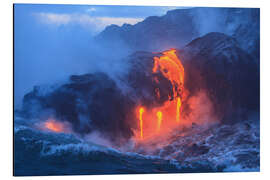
{"x":49,"y":38}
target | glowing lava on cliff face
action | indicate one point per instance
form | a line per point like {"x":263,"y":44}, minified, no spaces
{"x":157,"y":120}
{"x":141,"y":111}
{"x":172,"y":69}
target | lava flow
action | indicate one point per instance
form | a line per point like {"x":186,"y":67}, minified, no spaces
{"x":178,"y":109}
{"x":141,"y":122}
{"x":54,"y":126}
{"x":157,"y":120}
{"x":172,"y":69}
{"x":159,"y":117}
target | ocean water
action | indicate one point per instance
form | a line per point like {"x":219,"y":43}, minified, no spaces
{"x":221,"y":148}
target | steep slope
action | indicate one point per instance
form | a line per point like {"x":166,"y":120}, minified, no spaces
{"x":217,"y":63}
{"x":175,"y":29}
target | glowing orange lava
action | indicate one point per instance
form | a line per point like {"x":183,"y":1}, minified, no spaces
{"x":54,"y":126}
{"x":163,"y":118}
{"x":172,"y":69}
{"x":141,"y":121}
{"x":159,"y":116}
{"x":178,"y":109}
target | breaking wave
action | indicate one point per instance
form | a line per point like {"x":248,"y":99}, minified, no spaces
{"x":217,"y":150}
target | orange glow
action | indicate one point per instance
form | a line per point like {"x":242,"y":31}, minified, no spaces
{"x":159,"y":116}
{"x":172,"y":69}
{"x":161,"y":119}
{"x":141,"y":121}
{"x":178,"y":109}
{"x":54,"y":126}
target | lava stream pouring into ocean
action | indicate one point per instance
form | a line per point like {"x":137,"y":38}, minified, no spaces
{"x":158,"y":120}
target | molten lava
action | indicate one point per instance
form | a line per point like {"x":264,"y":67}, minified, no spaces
{"x":178,"y":109}
{"x":159,"y":116}
{"x":141,"y":121}
{"x":172,"y":69}
{"x":54,"y":126}
{"x":163,"y":118}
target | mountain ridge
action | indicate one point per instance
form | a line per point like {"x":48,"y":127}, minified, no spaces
{"x":178,"y":27}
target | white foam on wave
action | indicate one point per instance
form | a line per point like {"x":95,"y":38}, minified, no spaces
{"x":76,"y":149}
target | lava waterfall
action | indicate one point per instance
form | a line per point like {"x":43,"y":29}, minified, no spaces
{"x":155,"y":120}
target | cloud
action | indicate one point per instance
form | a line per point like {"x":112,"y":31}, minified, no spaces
{"x":57,"y":19}
{"x":164,"y":10}
{"x":95,"y":24}
{"x":91,"y":9}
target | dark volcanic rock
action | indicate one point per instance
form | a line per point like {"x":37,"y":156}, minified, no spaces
{"x":196,"y":150}
{"x":215,"y":62}
{"x":89,"y":102}
{"x":141,"y":79}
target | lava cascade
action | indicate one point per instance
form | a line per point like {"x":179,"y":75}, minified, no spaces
{"x":158,"y":120}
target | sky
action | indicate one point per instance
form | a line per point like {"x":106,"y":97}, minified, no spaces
{"x":52,"y":42}
{"x":93,"y":18}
